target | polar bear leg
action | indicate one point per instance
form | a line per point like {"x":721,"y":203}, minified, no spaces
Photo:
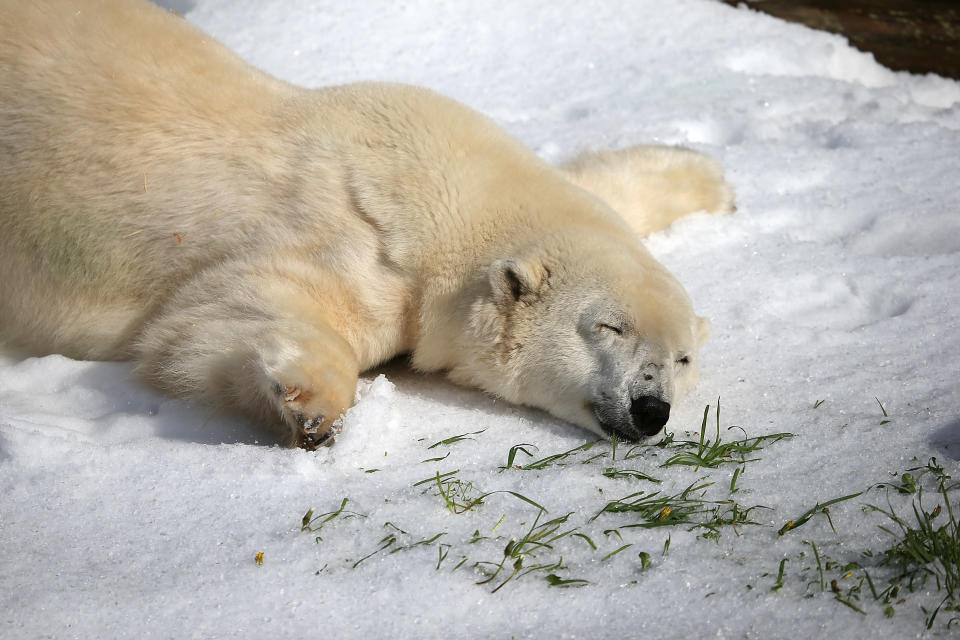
{"x":255,"y":339}
{"x":651,"y":186}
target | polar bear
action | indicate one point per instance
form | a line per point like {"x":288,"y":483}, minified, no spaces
{"x":258,"y":245}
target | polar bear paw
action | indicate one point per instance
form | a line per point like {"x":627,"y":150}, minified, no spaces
{"x":311,"y":427}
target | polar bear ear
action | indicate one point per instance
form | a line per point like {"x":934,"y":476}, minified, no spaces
{"x":515,"y":280}
{"x":704,"y":330}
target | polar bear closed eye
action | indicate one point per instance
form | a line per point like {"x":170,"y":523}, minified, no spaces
{"x":258,"y":245}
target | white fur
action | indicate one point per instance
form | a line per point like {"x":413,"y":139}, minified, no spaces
{"x":651,"y":186}
{"x":258,"y":245}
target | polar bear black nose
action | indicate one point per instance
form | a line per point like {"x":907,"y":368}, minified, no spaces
{"x":649,"y":414}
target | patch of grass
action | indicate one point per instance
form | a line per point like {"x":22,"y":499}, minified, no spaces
{"x":688,"y":507}
{"x":455,"y":439}
{"x":385,"y":542}
{"x":587,"y":539}
{"x":512,"y":455}
{"x":460,"y":496}
{"x":556,"y":581}
{"x":727,"y":514}
{"x":540,"y":548}
{"x":558,"y":459}
{"x":817,"y":508}
{"x":909,"y":480}
{"x":816,"y":554}
{"x":443,"y":550}
{"x":537,"y":539}
{"x":391,"y":540}
{"x":733,"y":480}
{"x":643,"y":449}
{"x":615,"y":552}
{"x":660,"y":510}
{"x":314,"y":523}
{"x":611,"y":472}
{"x":713,"y":453}
{"x":779,"y":583}
{"x":885,"y":416}
{"x":924,"y":553}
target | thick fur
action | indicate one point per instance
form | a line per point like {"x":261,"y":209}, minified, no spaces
{"x":258,"y":245}
{"x":650,"y":187}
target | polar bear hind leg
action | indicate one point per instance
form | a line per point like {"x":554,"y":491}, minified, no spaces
{"x":651,"y":186}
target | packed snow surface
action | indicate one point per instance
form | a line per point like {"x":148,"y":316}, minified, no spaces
{"x":833,"y":292}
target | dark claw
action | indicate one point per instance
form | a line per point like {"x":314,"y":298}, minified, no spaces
{"x":312,"y":442}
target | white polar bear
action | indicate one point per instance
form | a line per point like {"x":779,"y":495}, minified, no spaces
{"x":258,"y":245}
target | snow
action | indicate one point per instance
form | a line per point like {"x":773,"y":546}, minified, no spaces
{"x":125,"y":513}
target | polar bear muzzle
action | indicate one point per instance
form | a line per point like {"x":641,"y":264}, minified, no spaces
{"x":649,"y":414}
{"x":645,"y":416}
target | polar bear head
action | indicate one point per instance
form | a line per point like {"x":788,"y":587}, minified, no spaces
{"x":587,"y":326}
